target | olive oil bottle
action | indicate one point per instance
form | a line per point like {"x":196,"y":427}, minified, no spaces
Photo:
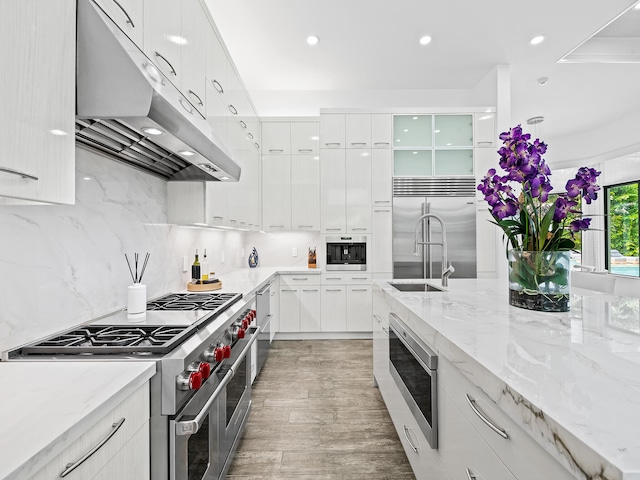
{"x":205,"y":267}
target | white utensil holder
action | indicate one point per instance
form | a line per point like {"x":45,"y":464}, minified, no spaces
{"x":137,"y":302}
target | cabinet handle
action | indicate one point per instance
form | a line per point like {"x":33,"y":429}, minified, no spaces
{"x":359,"y":229}
{"x":359,"y":278}
{"x":194,"y":94}
{"x":305,"y":150}
{"x":486,"y":142}
{"x":333,"y":278}
{"x":358,"y":143}
{"x":232,"y":109}
{"x":381,"y":201}
{"x":129,"y":21}
{"x":18,"y":172}
{"x":215,"y":216}
{"x":333,"y":229}
{"x":276,"y":226}
{"x":492,"y":426}
{"x":333,"y":143}
{"x":305,"y":226}
{"x":217,"y":86}
{"x":381,"y":143}
{"x":242,"y":124}
{"x":358,"y":289}
{"x":406,"y":434}
{"x":249,"y":135}
{"x":256,"y":145}
{"x":333,"y":290}
{"x":173,"y":70}
{"x":276,"y":150}
{"x":73,"y":465}
{"x":303,"y":278}
{"x":385,"y":330}
{"x":286,"y":290}
{"x":381,"y":211}
{"x":309,"y":290}
{"x":470,"y":474}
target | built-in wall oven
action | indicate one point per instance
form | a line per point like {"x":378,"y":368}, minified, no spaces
{"x":346,"y":252}
{"x":413,"y":367}
{"x":205,"y":433}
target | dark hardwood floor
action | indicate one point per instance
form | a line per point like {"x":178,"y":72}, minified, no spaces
{"x":316,"y":415}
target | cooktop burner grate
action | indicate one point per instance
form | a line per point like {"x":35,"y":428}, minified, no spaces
{"x":194,"y":301}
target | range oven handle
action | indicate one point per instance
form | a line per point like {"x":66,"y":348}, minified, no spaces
{"x":189,"y":427}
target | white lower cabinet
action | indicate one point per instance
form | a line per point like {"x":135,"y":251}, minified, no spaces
{"x":289,"y":315}
{"x":346,"y":302}
{"x":310,"y":308}
{"x":300,"y":305}
{"x":359,"y":308}
{"x":334,"y":308}
{"x":125,"y":455}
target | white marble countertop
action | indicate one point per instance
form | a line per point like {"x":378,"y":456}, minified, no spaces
{"x":571,"y":380}
{"x":46,"y":406}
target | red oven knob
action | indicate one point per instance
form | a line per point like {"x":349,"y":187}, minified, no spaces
{"x":241,"y":333}
{"x":219,"y":353}
{"x":253,"y":313}
{"x":205,"y":369}
{"x":195,"y":380}
{"x":245,"y":323}
{"x":227,"y":351}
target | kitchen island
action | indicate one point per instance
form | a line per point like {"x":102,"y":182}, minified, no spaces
{"x":569,"y":380}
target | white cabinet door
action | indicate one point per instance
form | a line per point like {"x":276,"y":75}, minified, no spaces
{"x":334,"y":309}
{"x":381,"y":177}
{"x":305,"y":192}
{"x":359,"y":317}
{"x":289,"y":309}
{"x":128,"y":463}
{"x":485,"y":130}
{"x":332,"y":191}
{"x":276,"y":137}
{"x":305,"y":137}
{"x":332,"y":134}
{"x":163,"y":37}
{"x":128,"y":15}
{"x":310,"y":308}
{"x":252,"y":179}
{"x":194,"y":32}
{"x":37,"y":101}
{"x":217,"y":204}
{"x":358,"y":190}
{"x":358,"y":130}
{"x":381,"y":130}
{"x":380,"y":256}
{"x":276,"y":192}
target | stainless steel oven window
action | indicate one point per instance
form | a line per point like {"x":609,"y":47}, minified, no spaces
{"x":236,"y":388}
{"x":199,"y":448}
{"x":413,"y":367}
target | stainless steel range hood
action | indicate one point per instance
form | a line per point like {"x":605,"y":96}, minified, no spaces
{"x":120,"y":95}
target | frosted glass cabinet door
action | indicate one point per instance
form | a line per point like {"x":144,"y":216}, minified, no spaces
{"x":412,"y":131}
{"x":453,"y":130}
{"x":412,"y":163}
{"x":454,"y":162}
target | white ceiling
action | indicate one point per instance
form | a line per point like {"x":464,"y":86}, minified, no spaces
{"x":369,"y":55}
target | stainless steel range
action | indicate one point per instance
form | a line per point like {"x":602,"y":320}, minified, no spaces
{"x":201,"y":392}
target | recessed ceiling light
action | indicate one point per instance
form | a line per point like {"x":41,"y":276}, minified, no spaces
{"x":186,"y":153}
{"x":313,"y":39}
{"x":152,"y":131}
{"x":542,"y":81}
{"x":538,"y":39}
{"x":426,"y":40}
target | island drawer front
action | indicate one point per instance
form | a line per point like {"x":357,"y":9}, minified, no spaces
{"x":526,"y":459}
{"x":299,"y":280}
{"x":135,"y":411}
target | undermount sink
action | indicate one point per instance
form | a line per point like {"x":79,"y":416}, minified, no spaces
{"x":415,"y":287}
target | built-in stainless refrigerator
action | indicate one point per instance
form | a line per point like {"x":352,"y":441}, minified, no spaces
{"x":453,"y":201}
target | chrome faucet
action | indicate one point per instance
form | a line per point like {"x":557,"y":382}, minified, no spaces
{"x":447,"y":268}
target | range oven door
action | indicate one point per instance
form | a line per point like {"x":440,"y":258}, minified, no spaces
{"x":413,"y":367}
{"x":205,"y":433}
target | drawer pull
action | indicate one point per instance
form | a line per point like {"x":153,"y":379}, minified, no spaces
{"x":470,"y":474}
{"x":197,"y":97}
{"x":359,"y":290}
{"x":72,"y":466}
{"x":18,"y":172}
{"x":358,"y":143}
{"x":300,"y":278}
{"x":216,"y":84}
{"x":406,"y":434}
{"x":333,"y":290}
{"x":276,"y":150}
{"x":305,"y":226}
{"x":333,"y":143}
{"x":498,"y":430}
{"x":333,"y":278}
{"x":309,"y":289}
{"x":173,"y":71}
{"x":359,"y":229}
{"x":305,"y":150}
{"x":381,"y":143}
{"x":129,"y":21}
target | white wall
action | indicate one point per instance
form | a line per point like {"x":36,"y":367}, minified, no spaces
{"x":64,"y":265}
{"x":276,"y":249}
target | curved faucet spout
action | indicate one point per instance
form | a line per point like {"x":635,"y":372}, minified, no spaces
{"x":447,"y":268}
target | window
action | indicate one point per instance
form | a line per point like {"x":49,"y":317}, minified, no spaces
{"x":622,"y":233}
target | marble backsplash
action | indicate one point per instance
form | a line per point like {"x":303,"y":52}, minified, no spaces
{"x":61,"y":265}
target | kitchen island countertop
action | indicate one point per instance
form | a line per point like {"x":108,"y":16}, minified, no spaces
{"x":48,"y":405}
{"x":571,"y":380}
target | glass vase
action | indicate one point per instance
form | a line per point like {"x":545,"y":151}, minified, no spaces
{"x":539,"y":280}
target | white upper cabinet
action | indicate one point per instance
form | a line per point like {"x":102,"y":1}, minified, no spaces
{"x":128,"y":15}
{"x":305,"y":137}
{"x":332,"y":191}
{"x":380,"y":256}
{"x":194,"y":32}
{"x":381,"y":130}
{"x":332,"y":131}
{"x":37,"y":101}
{"x":305,"y":192}
{"x":163,"y":37}
{"x":358,"y":190}
{"x":358,"y":130}
{"x":276,"y":192}
{"x":485,"y":130}
{"x":217,"y":63}
{"x":276,"y":138}
{"x":381,"y":177}
{"x":217,"y":66}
